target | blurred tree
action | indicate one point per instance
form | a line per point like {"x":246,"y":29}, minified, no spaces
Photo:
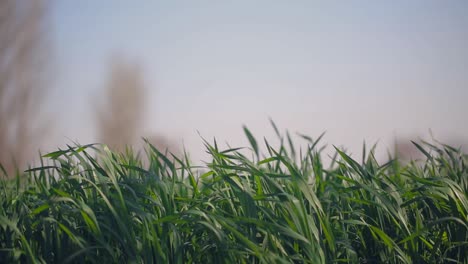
{"x":22,"y":84}
{"x":120,"y":119}
{"x":406,"y":151}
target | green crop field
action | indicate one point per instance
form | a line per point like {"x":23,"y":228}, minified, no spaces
{"x":89,"y":204}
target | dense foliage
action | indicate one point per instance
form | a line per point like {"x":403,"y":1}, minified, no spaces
{"x":94,"y":205}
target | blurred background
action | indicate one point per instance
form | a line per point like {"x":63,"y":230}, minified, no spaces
{"x":175,"y":71}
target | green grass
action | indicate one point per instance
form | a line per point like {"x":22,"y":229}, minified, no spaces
{"x":283,"y":206}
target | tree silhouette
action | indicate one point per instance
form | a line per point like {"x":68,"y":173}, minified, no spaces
{"x":119,"y":120}
{"x":22,"y":87}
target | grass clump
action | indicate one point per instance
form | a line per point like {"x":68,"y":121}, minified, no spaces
{"x":281,"y":207}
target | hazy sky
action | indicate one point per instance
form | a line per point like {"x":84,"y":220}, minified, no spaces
{"x":358,"y":69}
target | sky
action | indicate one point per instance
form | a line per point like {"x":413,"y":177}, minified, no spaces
{"x":359,"y":70}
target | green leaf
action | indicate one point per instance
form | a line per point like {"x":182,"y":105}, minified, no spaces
{"x":251,"y":139}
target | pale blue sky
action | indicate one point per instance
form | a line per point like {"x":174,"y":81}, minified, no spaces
{"x":359,"y":69}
